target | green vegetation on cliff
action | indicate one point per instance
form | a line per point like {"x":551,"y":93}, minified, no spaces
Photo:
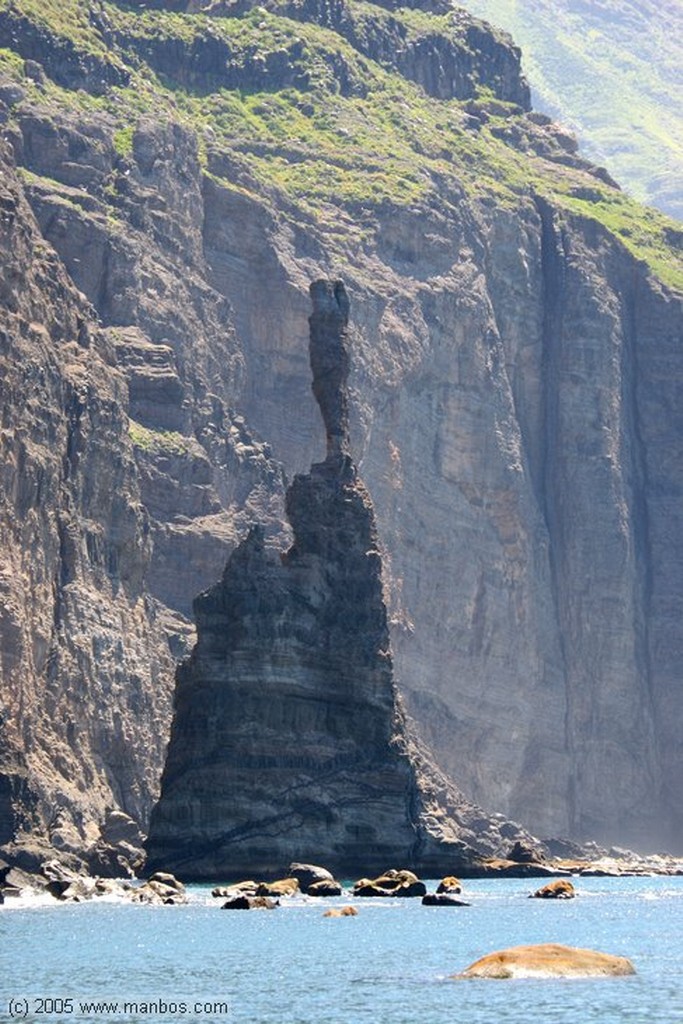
{"x":303,"y":111}
{"x":612,"y":71}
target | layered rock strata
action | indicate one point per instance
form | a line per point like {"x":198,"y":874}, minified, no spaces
{"x":85,"y":691}
{"x":516,"y":395}
{"x":288,"y":739}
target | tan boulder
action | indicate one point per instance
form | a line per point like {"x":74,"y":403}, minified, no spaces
{"x":341,"y":912}
{"x":560,"y":889}
{"x":246,"y":888}
{"x":282,"y":887}
{"x":450,"y":884}
{"x":391,"y":883}
{"x":548,"y":960}
{"x":164,"y":878}
{"x":325,"y":888}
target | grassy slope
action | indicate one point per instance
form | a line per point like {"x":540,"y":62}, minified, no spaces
{"x":612,"y":70}
{"x":323,"y":152}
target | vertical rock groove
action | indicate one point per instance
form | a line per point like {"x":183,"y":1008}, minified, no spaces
{"x":552,"y":267}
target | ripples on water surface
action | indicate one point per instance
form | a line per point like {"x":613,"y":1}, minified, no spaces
{"x":389,"y":965}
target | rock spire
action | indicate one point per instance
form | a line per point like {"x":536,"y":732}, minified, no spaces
{"x":329,"y":355}
{"x":289,"y":741}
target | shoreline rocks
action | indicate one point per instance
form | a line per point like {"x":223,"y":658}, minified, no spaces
{"x":160,"y":888}
{"x":493,"y":867}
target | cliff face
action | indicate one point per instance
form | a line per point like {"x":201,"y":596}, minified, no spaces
{"x":85,"y":694}
{"x":288,"y":738}
{"x":513,"y":400}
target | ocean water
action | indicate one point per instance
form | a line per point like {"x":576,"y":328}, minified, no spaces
{"x":389,"y":965}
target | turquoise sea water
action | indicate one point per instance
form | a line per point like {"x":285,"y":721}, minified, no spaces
{"x":389,"y":965}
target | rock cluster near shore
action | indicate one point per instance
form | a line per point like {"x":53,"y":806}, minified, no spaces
{"x":69,"y":886}
{"x":288,"y":737}
{"x":304,"y":881}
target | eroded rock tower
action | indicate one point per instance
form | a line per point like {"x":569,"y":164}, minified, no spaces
{"x":289,"y":740}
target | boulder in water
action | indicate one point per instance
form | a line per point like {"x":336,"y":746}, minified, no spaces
{"x":560,"y":889}
{"x":281,"y":887}
{"x":548,"y":960}
{"x":250,"y":903}
{"x":450,"y":884}
{"x":442,"y":899}
{"x":391,"y":883}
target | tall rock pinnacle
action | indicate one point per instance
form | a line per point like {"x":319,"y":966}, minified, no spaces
{"x":288,"y":740}
{"x":329,"y":354}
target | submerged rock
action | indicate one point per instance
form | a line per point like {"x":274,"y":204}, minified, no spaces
{"x":442,"y":899}
{"x":288,"y":737}
{"x":341,"y":912}
{"x":548,"y":960}
{"x":250,"y":903}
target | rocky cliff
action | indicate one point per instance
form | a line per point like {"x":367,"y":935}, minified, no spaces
{"x":85,"y":672}
{"x":186,"y":170}
{"x":289,"y":741}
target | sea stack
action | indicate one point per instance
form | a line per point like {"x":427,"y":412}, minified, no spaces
{"x":289,"y":741}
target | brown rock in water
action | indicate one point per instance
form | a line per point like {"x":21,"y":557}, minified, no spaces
{"x":548,"y":960}
{"x":309,"y":874}
{"x":250,"y":903}
{"x":341,"y":912}
{"x":246,"y":888}
{"x":325,"y":888}
{"x":561,"y":889}
{"x":281,"y":887}
{"x":289,"y":739}
{"x":391,"y":883}
{"x":442,"y":899}
{"x":450,"y":884}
